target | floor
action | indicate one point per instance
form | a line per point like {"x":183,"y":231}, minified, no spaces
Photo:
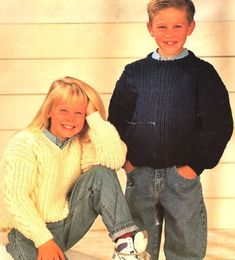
{"x":96,"y":245}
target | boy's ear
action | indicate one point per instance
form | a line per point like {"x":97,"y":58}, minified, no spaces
{"x":191,"y":27}
{"x":49,"y":114}
{"x":150,"y":28}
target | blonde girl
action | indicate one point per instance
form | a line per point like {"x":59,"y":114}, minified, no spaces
{"x":58,"y":174}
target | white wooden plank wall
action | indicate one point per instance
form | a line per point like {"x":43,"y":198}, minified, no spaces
{"x":43,"y":40}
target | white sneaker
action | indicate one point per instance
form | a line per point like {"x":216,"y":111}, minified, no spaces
{"x":127,"y":249}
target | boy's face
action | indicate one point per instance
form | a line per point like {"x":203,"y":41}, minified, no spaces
{"x":170,"y":28}
{"x":67,"y":118}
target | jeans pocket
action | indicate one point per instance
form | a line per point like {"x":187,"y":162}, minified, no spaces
{"x":183,"y":184}
{"x":182,"y":177}
{"x":130,"y":182}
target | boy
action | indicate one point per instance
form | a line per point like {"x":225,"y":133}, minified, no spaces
{"x":172,"y":110}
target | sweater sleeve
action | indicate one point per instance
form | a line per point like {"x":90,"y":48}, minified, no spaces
{"x":19,"y":170}
{"x":105,"y":148}
{"x":215,"y":120}
{"x":123,"y":102}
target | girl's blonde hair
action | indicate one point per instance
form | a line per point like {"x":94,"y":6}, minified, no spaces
{"x":64,"y":89}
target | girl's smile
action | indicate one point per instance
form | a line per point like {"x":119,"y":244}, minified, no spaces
{"x":67,"y":118}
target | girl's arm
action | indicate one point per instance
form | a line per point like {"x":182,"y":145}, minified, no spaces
{"x":106,"y":147}
{"x":19,"y":172}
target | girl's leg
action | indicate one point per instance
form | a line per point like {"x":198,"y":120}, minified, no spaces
{"x":185,"y":218}
{"x":21,"y":248}
{"x":142,"y":190}
{"x":97,"y":192}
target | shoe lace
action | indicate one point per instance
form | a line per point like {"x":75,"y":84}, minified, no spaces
{"x":140,"y":256}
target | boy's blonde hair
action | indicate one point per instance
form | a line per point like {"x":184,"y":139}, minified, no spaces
{"x":154,"y":6}
{"x":64,"y":89}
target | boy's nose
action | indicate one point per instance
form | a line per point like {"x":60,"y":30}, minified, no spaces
{"x":168,"y":34}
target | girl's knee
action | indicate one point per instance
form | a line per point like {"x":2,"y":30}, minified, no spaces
{"x":103,"y":171}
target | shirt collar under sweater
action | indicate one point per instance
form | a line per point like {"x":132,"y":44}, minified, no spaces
{"x":56,"y":140}
{"x":181,"y":55}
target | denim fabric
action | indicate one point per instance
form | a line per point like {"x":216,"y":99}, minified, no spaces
{"x":157,"y":196}
{"x":97,"y":192}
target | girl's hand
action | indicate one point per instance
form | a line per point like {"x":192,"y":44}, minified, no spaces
{"x":187,"y":172}
{"x":90,"y":108}
{"x":50,"y":251}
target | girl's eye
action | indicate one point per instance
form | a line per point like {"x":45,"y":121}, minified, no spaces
{"x":79,"y":114}
{"x":63,"y":110}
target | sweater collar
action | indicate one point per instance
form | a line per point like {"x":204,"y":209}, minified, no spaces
{"x":184,"y":53}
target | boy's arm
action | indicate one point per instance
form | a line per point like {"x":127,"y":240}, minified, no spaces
{"x":215,"y":121}
{"x":123,"y":102}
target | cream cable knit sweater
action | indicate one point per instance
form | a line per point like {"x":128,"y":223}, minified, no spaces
{"x":37,"y":175}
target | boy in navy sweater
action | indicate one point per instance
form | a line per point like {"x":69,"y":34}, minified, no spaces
{"x":172,"y":110}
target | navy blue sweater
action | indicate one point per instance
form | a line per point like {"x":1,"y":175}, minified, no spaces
{"x":172,"y":113}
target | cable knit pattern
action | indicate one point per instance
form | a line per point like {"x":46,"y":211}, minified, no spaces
{"x":37,"y":175}
{"x":106,"y":131}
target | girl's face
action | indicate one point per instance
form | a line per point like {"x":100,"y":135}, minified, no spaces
{"x":67,"y":118}
{"x":170,"y":28}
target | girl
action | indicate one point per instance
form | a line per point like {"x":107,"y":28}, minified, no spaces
{"x":59,"y":174}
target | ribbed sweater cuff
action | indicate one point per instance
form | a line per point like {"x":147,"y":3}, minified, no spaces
{"x":94,"y":119}
{"x":42,"y":237}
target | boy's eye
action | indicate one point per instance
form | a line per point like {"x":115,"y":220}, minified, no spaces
{"x":178,"y":26}
{"x":161,"y":27}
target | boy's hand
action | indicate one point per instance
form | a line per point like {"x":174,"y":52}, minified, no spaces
{"x":50,"y":251}
{"x":187,"y":172}
{"x":128,"y":167}
{"x":90,"y":108}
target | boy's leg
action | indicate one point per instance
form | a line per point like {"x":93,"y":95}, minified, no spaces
{"x":185,"y":217}
{"x":97,"y":192}
{"x":142,"y":196}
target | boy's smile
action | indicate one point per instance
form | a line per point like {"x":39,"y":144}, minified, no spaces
{"x":170,"y":28}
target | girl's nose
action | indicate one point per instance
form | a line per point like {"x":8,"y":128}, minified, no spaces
{"x":71,"y":118}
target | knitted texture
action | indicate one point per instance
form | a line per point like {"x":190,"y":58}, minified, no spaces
{"x":37,"y":175}
{"x":174,"y":112}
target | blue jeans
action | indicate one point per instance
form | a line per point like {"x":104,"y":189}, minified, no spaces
{"x":157,"y":195}
{"x":96,"y":192}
